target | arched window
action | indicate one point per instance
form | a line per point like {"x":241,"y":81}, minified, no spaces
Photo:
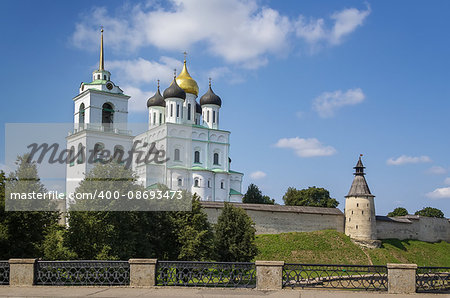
{"x":222,"y":185}
{"x":209,"y":183}
{"x":154,"y":118}
{"x":216,"y":159}
{"x":196,"y":182}
{"x":214,"y":116}
{"x":178,"y":110}
{"x":107,"y":116}
{"x":80,"y":153}
{"x":98,"y":148}
{"x":81,"y":114}
{"x":197,"y":157}
{"x":118,"y":153}
{"x":171,"y":110}
{"x":104,"y":77}
{"x":189,"y":112}
{"x":207,"y":116}
{"x":72,"y":156}
{"x":160,"y":118}
{"x":180,"y":182}
{"x":98,"y":77}
{"x":176,"y":154}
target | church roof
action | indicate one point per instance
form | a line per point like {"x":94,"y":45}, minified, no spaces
{"x":174,"y":91}
{"x":210,"y":98}
{"x":359,"y":186}
{"x":156,"y":100}
{"x":186,"y":82}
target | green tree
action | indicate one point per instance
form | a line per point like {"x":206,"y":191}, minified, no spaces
{"x":22,"y":233}
{"x":54,"y":246}
{"x":255,"y":196}
{"x":399,"y":211}
{"x":312,"y":196}
{"x":234,"y":235}
{"x":113,"y":234}
{"x":194,"y":234}
{"x":430,"y":212}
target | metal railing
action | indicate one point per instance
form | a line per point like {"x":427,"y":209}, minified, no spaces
{"x":206,"y":274}
{"x":335,"y":276}
{"x":4,"y":273}
{"x":433,"y":279}
{"x":98,"y":273}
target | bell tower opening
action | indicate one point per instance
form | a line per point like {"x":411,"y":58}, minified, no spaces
{"x":107,"y":116}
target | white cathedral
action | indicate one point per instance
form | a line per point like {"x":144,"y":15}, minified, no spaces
{"x":197,"y":150}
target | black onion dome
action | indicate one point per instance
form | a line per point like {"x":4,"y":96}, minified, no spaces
{"x":156,"y":100}
{"x":174,"y":91}
{"x":210,"y":98}
{"x":198,"y":108}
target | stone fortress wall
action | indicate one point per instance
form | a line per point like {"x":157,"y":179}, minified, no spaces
{"x":274,"y":219}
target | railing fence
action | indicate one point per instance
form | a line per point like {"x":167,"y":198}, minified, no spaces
{"x":433,"y":279}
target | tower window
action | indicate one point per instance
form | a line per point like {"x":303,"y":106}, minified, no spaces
{"x":216,"y":159}
{"x":81,"y":114}
{"x":357,"y":205}
{"x":154,"y":118}
{"x":189,"y":111}
{"x":196,"y":182}
{"x":80,"y":153}
{"x":98,"y":77}
{"x":180,"y":182}
{"x":356,"y":226}
{"x":178,"y":110}
{"x":197,"y":157}
{"x":209,"y":183}
{"x":107,"y":116}
{"x":160,"y":118}
{"x":207,"y":116}
{"x":104,"y":77}
{"x":118,"y":153}
{"x":349,"y":219}
{"x":171,"y":110}
{"x":352,"y":211}
{"x":362,"y":212}
{"x":177,"y":155}
{"x":221,"y":185}
{"x":72,"y":156}
{"x":214,"y":116}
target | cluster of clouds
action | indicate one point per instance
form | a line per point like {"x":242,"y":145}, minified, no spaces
{"x":405,"y":159}
{"x":309,"y":147}
{"x":327,"y":103}
{"x":242,"y":32}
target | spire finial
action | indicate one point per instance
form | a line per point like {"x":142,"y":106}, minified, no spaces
{"x":185,"y":55}
{"x":158,"y":84}
{"x":102,"y":63}
{"x":209,"y":82}
{"x":174,"y":73}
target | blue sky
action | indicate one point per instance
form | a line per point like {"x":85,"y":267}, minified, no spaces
{"x":306,"y":86}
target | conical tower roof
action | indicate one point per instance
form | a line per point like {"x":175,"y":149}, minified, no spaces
{"x":359,"y":186}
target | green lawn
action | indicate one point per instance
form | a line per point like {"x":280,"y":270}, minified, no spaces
{"x":331,"y":247}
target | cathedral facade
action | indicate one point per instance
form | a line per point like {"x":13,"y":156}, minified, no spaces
{"x":185,"y":128}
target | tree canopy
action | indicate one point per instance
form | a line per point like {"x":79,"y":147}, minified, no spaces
{"x":430,"y":212}
{"x":234,"y":236}
{"x":399,"y":211}
{"x":312,"y":196}
{"x":255,"y":196}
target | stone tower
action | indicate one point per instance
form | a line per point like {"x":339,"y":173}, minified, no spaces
{"x":360,"y":222}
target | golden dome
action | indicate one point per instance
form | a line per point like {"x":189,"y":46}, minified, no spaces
{"x":186,"y":82}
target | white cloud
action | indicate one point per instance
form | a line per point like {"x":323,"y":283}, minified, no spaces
{"x":138,"y":100}
{"x":144,"y":71}
{"x":315,"y":31}
{"x":258,"y":175}
{"x":404,"y":159}
{"x":437,"y":170}
{"x":310,"y":147}
{"x":439,"y":193}
{"x":327,"y":103}
{"x":242,"y":32}
{"x":238,"y":31}
{"x":447,"y":180}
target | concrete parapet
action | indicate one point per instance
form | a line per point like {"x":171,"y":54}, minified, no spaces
{"x":142,"y":272}
{"x":401,"y":278}
{"x":21,"y":272}
{"x":269,"y":275}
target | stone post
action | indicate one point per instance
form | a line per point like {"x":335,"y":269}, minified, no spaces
{"x":21,"y":272}
{"x":269,"y":275}
{"x":401,"y":278}
{"x":142,"y":272}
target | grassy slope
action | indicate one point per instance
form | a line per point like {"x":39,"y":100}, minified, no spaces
{"x":331,"y":247}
